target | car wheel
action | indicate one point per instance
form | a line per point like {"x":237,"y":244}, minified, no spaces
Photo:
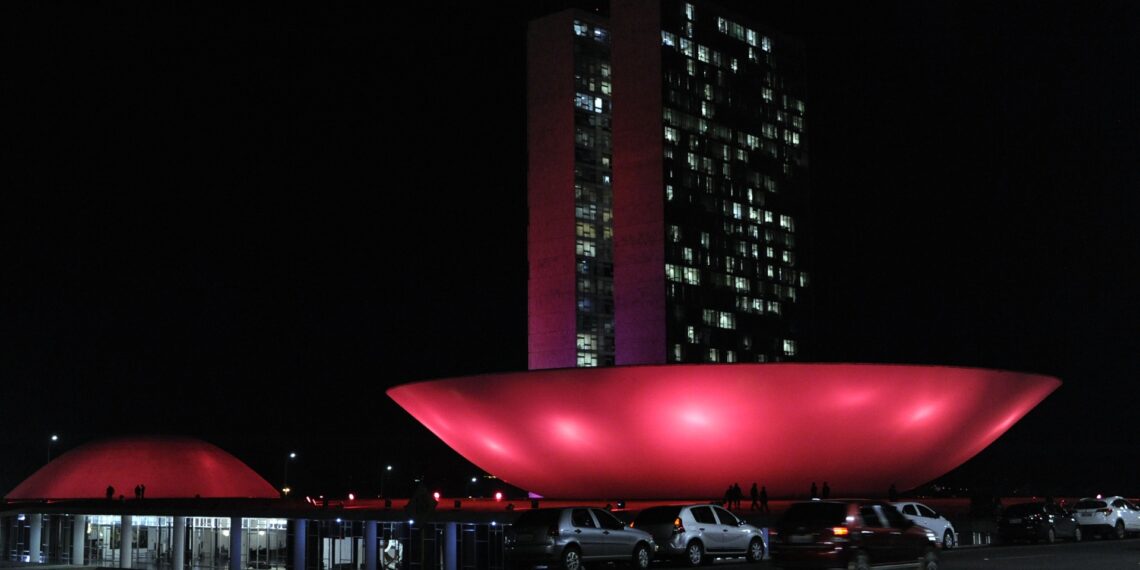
{"x":929,"y":561}
{"x":694,"y":553}
{"x":1078,"y":535}
{"x":641,"y":557}
{"x":1050,"y":536}
{"x":1118,"y":532}
{"x":755,"y":550}
{"x":948,"y":540}
{"x":571,"y":559}
{"x":859,"y":562}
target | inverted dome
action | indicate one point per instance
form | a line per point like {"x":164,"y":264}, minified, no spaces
{"x":169,"y":467}
{"x":678,"y":430}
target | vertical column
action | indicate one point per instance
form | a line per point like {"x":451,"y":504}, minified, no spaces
{"x":300,"y":535}
{"x":450,"y":539}
{"x":127,"y":548}
{"x":235,"y":543}
{"x":3,"y":539}
{"x":35,"y":537}
{"x":179,"y":543}
{"x":78,"y":539}
{"x":370,"y":545}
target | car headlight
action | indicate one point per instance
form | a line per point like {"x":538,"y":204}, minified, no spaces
{"x":930,"y":535}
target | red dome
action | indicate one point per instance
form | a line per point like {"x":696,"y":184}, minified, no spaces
{"x":169,"y":467}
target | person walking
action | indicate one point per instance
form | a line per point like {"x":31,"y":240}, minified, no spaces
{"x":764,"y":500}
{"x":754,"y":494}
{"x":737,"y":496}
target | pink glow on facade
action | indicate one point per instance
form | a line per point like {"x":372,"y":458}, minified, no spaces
{"x":687,"y":431}
{"x":170,"y":467}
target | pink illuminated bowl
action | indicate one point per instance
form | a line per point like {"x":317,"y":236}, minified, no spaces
{"x":682,"y":431}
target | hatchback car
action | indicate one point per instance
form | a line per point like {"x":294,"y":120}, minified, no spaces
{"x":572,"y":536}
{"x":1113,"y":516}
{"x":1038,"y":521}
{"x":851,"y":533}
{"x":697,"y":533}
{"x":929,"y":518}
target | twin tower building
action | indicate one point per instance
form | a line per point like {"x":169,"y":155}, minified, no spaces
{"x":667,"y":187}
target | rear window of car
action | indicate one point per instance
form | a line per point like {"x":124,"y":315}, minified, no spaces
{"x":816,"y":514}
{"x":657,"y":515}
{"x":1023,"y":509}
{"x":1090,"y":504}
{"x":703,"y":515}
{"x":539,"y":518}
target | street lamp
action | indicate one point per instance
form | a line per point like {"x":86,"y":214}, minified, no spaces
{"x":51,"y":441}
{"x":384,"y":477}
{"x":285,"y":478}
{"x":471,"y":494}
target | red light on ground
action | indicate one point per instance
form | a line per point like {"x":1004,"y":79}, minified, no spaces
{"x":351,"y":497}
{"x":435,"y":495}
{"x":817,"y":421}
{"x":498,"y":496}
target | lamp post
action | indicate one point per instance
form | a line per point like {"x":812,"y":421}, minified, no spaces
{"x":383,"y":478}
{"x":470,"y":493}
{"x":51,"y":441}
{"x":285,"y":478}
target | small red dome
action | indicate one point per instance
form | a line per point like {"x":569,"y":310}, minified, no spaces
{"x":169,"y":467}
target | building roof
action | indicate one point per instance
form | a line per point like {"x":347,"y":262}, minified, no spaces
{"x":169,"y":467}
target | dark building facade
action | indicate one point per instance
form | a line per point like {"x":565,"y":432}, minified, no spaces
{"x":667,"y":175}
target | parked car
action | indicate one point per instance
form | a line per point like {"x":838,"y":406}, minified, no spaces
{"x":852,"y":533}
{"x":1038,"y":521}
{"x":695,"y":533}
{"x":929,"y":518}
{"x":573,"y":536}
{"x":1113,"y":516}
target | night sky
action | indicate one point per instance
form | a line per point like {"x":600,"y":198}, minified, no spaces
{"x":244,"y":225}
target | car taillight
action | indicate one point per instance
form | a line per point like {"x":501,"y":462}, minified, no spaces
{"x":1105,"y":511}
{"x":678,"y":528}
{"x":839,"y":530}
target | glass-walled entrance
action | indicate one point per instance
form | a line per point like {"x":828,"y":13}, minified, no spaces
{"x":207,"y":542}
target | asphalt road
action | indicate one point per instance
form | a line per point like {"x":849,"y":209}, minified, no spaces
{"x":1088,"y":555}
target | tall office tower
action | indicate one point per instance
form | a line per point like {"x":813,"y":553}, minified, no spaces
{"x":667,"y":174}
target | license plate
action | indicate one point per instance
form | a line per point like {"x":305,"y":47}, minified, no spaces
{"x":1014,"y":521}
{"x":1085,"y":515}
{"x":800,"y":538}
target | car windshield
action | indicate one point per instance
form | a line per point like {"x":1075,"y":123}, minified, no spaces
{"x":539,"y":518}
{"x":815,"y":514}
{"x":1090,"y":504}
{"x":1023,"y":509}
{"x":657,"y":515}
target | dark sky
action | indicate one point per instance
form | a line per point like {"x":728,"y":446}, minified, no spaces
{"x":243,"y":225}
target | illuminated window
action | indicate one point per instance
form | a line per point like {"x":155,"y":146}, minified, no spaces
{"x":676,"y":353}
{"x":672,"y":135}
{"x":691,"y":333}
{"x":668,"y":39}
{"x":587,"y":342}
{"x":587,"y":360}
{"x":714,"y":355}
{"x":690,"y":12}
{"x":730,"y":356}
{"x":692,"y":276}
{"x":789,"y":347}
{"x":766,"y":43}
{"x":674,"y":233}
{"x":580,"y":28}
{"x":705,"y":240}
{"x":585,"y":248}
{"x":585,"y":230}
{"x":702,"y":54}
{"x":687,"y":254}
{"x":788,"y":223}
{"x":669,"y":192}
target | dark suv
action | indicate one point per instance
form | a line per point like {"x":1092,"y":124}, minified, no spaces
{"x":572,"y":536}
{"x":1037,"y":521}
{"x":850,"y":533}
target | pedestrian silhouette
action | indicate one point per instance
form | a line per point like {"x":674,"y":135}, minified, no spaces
{"x":814,"y":490}
{"x":893,"y":493}
{"x":138,"y":492}
{"x":737,"y":496}
{"x":728,"y":497}
{"x":754,"y":494}
{"x":764,"y":500}
{"x":110,"y":493}
{"x":826,"y":490}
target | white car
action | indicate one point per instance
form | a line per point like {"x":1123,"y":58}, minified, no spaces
{"x":926,"y":517}
{"x":1113,"y":516}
